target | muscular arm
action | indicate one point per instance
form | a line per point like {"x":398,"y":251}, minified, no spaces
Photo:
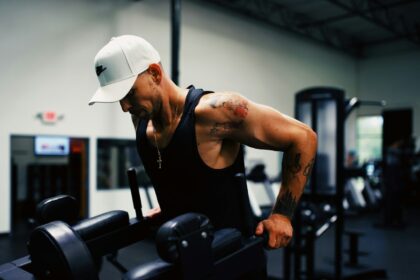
{"x":233,"y":117}
{"x":292,"y":184}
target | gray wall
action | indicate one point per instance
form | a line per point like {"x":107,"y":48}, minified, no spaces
{"x":394,"y":78}
{"x":47,"y":51}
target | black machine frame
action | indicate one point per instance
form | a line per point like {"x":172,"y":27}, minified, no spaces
{"x":318,"y":192}
{"x":314,"y":192}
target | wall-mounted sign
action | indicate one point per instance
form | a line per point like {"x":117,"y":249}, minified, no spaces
{"x":49,"y":117}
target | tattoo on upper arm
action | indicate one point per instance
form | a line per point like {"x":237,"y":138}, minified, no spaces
{"x":239,"y":107}
{"x":285,"y":204}
{"x":218,"y":129}
{"x":308,"y":168}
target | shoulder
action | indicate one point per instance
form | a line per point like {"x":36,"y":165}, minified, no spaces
{"x":221,"y":113}
{"x":227,"y":104}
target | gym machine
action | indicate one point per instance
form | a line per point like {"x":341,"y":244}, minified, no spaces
{"x":189,"y":247}
{"x":324,"y":109}
{"x":398,"y":150}
{"x":258,"y":175}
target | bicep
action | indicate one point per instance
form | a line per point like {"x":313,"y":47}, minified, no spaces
{"x":234,"y":117}
{"x":267,"y":128}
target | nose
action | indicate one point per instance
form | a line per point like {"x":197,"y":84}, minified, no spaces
{"x":125,"y":105}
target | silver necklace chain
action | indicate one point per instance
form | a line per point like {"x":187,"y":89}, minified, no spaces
{"x":159,"y":160}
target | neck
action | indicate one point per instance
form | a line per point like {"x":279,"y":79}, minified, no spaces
{"x":171,"y":107}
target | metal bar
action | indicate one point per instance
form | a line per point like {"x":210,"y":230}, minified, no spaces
{"x":310,"y":255}
{"x":383,"y":40}
{"x":249,"y":259}
{"x":374,"y":20}
{"x":281,"y":17}
{"x":175,"y":38}
{"x":248,"y":224}
{"x":297,"y":226}
{"x":112,"y":258}
{"x":348,"y":15}
{"x":321,"y":230}
{"x":339,"y":186}
{"x":314,"y":126}
{"x":326,"y":21}
{"x":135,"y":195}
{"x":287,"y":261}
{"x":354,"y":249}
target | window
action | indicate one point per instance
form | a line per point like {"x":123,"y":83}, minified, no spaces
{"x":369,"y":138}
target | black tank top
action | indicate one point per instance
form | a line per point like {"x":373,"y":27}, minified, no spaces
{"x":185,"y":183}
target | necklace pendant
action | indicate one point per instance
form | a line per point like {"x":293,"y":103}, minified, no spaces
{"x":159,"y":161}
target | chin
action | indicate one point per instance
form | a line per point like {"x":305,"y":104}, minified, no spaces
{"x":144,"y":115}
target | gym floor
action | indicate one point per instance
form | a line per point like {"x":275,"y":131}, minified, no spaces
{"x":395,"y":250}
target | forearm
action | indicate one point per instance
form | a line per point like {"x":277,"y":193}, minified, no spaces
{"x":297,"y":164}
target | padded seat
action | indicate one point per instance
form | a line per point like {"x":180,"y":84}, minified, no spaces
{"x":101,"y":224}
{"x":225,"y":242}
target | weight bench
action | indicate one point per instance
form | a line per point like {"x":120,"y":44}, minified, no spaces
{"x":189,"y":249}
{"x":188,"y":246}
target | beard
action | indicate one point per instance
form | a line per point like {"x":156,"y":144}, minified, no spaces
{"x":141,"y":114}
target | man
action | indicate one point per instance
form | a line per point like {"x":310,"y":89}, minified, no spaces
{"x":190,"y":140}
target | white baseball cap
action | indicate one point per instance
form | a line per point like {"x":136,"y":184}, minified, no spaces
{"x":117,"y":65}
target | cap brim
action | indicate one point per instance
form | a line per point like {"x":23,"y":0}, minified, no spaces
{"x":113,"y":92}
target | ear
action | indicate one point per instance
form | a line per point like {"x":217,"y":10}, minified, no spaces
{"x":155,"y":70}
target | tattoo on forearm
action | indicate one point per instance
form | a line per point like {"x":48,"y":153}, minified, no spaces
{"x":238,"y":107}
{"x":308,"y":168}
{"x":291,"y":164}
{"x":285,"y":204}
{"x":220,"y":128}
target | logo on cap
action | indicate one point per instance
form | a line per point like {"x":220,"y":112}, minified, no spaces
{"x":100,"y":69}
